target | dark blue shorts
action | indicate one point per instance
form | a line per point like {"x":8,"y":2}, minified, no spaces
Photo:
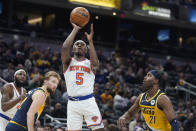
{"x":14,"y":127}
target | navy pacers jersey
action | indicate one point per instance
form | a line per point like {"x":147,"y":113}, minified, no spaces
{"x":20,"y":117}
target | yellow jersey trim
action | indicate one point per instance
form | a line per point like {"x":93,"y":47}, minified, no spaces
{"x":147,"y":100}
{"x":45,"y":93}
{"x":18,"y":124}
{"x":141,"y":98}
{"x":158,"y":98}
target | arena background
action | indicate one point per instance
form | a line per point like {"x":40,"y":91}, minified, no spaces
{"x":131,"y":37}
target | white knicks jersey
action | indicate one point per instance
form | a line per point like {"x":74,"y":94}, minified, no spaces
{"x":79,"y":78}
{"x":11,"y":112}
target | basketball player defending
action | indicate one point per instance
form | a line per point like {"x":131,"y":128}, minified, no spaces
{"x":11,"y":95}
{"x":33,"y":105}
{"x":155,"y":106}
{"x":79,"y":74}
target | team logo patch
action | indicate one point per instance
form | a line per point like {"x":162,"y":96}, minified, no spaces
{"x":94,"y":118}
{"x":152,"y":102}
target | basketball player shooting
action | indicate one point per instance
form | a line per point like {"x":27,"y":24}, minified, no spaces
{"x":11,"y":95}
{"x":155,"y":106}
{"x":79,"y":74}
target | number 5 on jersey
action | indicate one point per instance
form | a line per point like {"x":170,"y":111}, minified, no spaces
{"x":79,"y":79}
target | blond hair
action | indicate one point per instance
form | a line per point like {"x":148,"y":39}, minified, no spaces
{"x":51,"y":73}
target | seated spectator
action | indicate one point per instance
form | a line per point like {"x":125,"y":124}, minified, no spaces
{"x":119,"y":101}
{"x":112,"y":127}
{"x":8,"y":72}
{"x":40,"y":128}
{"x":58,"y":111}
{"x":59,"y":129}
{"x":181,"y":116}
{"x":106,"y":97}
{"x":48,"y":127}
{"x":189,"y":123}
{"x":105,"y":123}
{"x":97,"y":93}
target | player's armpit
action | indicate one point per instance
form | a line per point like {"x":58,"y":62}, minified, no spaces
{"x":165,"y":104}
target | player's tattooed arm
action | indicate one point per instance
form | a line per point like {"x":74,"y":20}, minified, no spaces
{"x":93,"y":56}
{"x":165,"y":104}
{"x":65,"y":50}
{"x":7,"y":94}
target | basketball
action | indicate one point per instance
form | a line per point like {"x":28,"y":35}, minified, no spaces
{"x":79,"y":16}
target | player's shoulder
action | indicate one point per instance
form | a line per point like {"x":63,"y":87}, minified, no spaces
{"x":8,"y":86}
{"x":163,"y":99}
{"x":139,"y":97}
{"x":39,"y":94}
{"x":7,"y":89}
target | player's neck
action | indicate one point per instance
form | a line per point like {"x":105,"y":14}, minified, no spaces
{"x":152,"y":91}
{"x":45,"y":90}
{"x":17,"y":87}
{"x":79,"y":57}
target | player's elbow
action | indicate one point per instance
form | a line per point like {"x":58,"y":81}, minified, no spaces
{"x":4,"y":108}
{"x":30,"y":114}
{"x":95,"y":65}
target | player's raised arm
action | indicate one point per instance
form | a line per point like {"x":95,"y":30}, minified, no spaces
{"x":165,"y":104}
{"x":38,"y":100}
{"x":127,"y":116}
{"x":7,"y":94}
{"x":93,"y":56}
{"x":65,"y":53}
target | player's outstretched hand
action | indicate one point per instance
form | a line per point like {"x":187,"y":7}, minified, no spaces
{"x":76,"y":27}
{"x":90,"y":36}
{"x":121,"y":122}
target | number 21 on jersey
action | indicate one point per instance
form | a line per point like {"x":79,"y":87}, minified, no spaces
{"x":152,"y":119}
{"x":79,"y":78}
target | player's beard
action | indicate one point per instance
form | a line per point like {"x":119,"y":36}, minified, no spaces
{"x":19,"y":84}
{"x":49,"y":90}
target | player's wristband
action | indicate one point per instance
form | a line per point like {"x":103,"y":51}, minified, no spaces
{"x":174,"y":125}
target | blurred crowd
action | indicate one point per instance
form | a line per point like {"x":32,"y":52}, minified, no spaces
{"x":117,"y":82}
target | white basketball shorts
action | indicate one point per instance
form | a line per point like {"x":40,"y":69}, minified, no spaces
{"x":87,"y":110}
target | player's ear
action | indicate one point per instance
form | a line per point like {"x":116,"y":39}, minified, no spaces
{"x":45,"y":81}
{"x":156,"y":81}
